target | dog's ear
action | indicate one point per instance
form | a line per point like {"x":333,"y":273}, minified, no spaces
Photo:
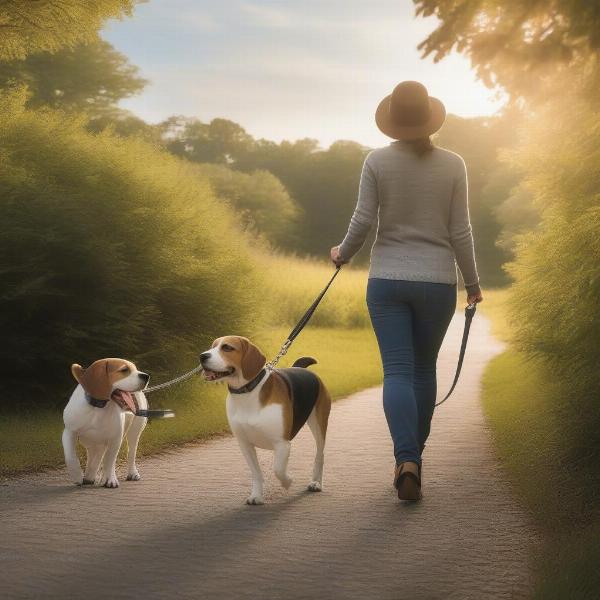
{"x":94,"y":379}
{"x":253,"y":360}
{"x":77,"y":371}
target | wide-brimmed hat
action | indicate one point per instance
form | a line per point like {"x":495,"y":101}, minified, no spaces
{"x":409,"y":112}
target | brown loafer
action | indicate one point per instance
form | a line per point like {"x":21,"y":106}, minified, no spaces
{"x":407,"y":480}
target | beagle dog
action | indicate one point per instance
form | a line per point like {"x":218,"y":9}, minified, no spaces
{"x":267,"y":407}
{"x":100,"y":412}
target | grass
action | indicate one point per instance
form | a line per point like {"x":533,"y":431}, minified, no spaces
{"x":537,"y":436}
{"x":347,"y":361}
{"x":294,"y":283}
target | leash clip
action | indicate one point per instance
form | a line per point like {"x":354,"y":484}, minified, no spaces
{"x":282,"y":352}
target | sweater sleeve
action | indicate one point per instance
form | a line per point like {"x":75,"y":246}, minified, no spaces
{"x":461,"y":234}
{"x":364,"y":215}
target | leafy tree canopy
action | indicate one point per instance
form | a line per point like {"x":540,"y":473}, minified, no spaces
{"x":219,"y":141}
{"x":513,"y":43}
{"x":260,"y":200}
{"x":89,"y":77}
{"x":30,"y":26}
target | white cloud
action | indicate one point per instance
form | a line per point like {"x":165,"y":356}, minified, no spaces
{"x":192,"y":18}
{"x":267,"y":16}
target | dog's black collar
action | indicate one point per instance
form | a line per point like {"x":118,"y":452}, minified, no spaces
{"x":95,"y":402}
{"x":250,"y":385}
{"x":141,"y":412}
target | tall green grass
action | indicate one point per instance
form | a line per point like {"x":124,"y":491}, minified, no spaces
{"x":541,"y":437}
{"x":537,"y":437}
{"x":293,"y":283}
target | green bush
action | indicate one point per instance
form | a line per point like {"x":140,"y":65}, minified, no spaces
{"x":554,"y":301}
{"x":108,"y":247}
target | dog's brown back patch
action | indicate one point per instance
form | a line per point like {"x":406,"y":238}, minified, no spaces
{"x":275,"y":391}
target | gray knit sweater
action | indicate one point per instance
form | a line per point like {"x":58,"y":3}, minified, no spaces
{"x":422,"y":209}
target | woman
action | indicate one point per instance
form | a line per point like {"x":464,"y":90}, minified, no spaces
{"x":418,"y":193}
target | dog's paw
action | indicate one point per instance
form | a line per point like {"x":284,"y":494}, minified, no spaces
{"x":133,"y":476}
{"x":314,"y":486}
{"x":76,"y":477}
{"x":112,"y":482}
{"x":254,"y":500}
{"x":87,"y":482}
{"x":286,"y":482}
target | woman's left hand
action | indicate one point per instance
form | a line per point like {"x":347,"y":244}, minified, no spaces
{"x":335,"y":256}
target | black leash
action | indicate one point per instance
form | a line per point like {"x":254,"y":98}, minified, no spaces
{"x":469,"y":314}
{"x":302,"y":322}
{"x":311,"y":309}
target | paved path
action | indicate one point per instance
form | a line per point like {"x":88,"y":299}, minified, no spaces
{"x":184,"y":532}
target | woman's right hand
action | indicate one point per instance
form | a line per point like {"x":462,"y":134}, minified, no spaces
{"x":474,"y":296}
{"x":335,"y":256}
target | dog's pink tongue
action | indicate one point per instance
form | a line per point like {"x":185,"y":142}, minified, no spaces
{"x":129,"y":400}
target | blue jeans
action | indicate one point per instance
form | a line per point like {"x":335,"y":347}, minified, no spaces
{"x":410,"y":319}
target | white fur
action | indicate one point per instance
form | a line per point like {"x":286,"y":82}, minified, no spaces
{"x":101,"y":432}
{"x":256,"y":426}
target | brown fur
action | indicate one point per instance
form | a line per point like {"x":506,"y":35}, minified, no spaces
{"x":98,"y":379}
{"x":275,"y":391}
{"x":253,"y":360}
{"x":246,"y":356}
{"x":323,"y":408}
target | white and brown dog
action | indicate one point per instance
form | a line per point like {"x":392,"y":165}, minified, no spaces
{"x":100,"y":412}
{"x":266,"y":408}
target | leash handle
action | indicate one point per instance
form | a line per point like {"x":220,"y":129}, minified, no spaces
{"x":469,"y":314}
{"x":155,"y":414}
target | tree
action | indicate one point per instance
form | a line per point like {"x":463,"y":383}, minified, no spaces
{"x":513,"y":43}
{"x":123,"y":123}
{"x":324,"y":183}
{"x":27,"y":26}
{"x":219,"y":141}
{"x":259,"y":199}
{"x":477,"y":141}
{"x":90,"y":77}
{"x":108,"y":247}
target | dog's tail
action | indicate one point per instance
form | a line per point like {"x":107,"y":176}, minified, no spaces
{"x":304,"y":361}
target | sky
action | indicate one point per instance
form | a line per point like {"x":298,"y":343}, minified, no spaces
{"x":287,"y":69}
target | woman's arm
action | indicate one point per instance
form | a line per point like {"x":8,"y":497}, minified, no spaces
{"x":461,"y":233}
{"x":364,"y":215}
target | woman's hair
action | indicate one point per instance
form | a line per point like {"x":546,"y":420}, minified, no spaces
{"x":420,"y":146}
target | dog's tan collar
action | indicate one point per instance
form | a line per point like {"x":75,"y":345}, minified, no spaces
{"x":245,"y":389}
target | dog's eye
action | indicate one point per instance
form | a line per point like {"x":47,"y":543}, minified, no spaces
{"x":124,"y":369}
{"x":227,"y":348}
